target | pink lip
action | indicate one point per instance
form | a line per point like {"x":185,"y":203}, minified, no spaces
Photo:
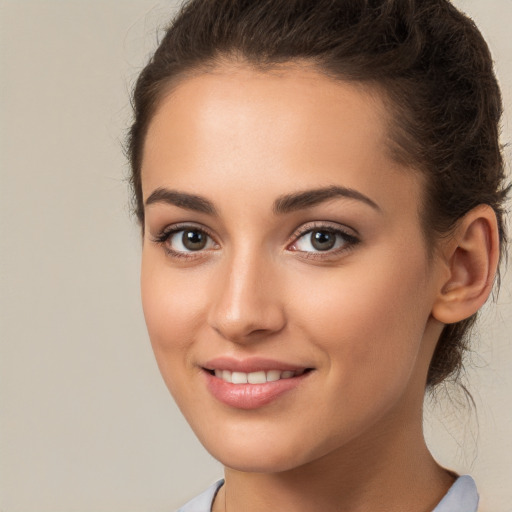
{"x":250,"y":396}
{"x":250,"y":364}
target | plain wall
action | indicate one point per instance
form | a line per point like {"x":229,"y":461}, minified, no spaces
{"x":86,"y":423}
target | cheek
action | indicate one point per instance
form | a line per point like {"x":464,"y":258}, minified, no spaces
{"x":172,"y":304}
{"x":369,"y":321}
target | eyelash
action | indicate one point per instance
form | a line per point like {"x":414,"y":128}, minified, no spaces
{"x":164,"y":236}
{"x":350,"y":240}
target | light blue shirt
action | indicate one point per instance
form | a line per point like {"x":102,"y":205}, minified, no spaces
{"x":461,"y":497}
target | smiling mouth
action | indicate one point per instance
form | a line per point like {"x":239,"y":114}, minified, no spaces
{"x":262,"y":385}
{"x":257,"y":377}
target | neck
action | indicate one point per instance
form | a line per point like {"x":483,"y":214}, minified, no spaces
{"x":392,"y":470}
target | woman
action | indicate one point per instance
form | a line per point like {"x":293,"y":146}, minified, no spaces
{"x":320,"y":189}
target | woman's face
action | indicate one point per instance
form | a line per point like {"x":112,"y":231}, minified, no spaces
{"x":283,"y":247}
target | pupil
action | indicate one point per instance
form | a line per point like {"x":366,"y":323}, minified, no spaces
{"x":194,"y":240}
{"x":323,"y":240}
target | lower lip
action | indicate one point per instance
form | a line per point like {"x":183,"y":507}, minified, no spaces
{"x":250,"y":396}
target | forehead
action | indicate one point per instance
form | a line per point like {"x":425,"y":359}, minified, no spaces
{"x":291,"y":126}
{"x":291,"y":102}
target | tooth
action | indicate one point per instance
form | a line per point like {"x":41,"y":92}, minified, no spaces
{"x":239,"y":378}
{"x":287,"y":374}
{"x":273,"y":375}
{"x":256,"y":378}
{"x":226,"y":375}
{"x":218,"y":373}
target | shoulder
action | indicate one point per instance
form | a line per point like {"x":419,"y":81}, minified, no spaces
{"x":203,"y":502}
{"x":461,"y":497}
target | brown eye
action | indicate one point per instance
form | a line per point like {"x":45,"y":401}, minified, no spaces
{"x":194,"y":240}
{"x":187,"y":240}
{"x":323,"y":240}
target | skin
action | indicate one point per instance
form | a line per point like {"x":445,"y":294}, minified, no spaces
{"x":366,"y":316}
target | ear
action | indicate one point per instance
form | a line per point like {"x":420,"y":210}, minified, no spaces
{"x":471,"y":256}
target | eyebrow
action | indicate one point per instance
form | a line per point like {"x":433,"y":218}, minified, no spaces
{"x":182,"y":200}
{"x":308,"y":198}
{"x":282,"y":205}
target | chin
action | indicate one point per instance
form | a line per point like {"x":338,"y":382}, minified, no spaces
{"x":257,"y":460}
{"x":259,"y":454}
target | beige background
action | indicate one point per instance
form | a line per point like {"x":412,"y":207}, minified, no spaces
{"x":86,"y":423}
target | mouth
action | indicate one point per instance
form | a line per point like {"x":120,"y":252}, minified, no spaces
{"x":264,"y":382}
{"x":256,"y":377}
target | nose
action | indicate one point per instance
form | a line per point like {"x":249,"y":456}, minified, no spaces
{"x":247,"y":304}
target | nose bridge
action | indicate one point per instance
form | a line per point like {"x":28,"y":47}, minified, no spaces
{"x":248,"y":299}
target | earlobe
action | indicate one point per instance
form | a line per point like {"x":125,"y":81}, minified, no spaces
{"x":472,"y":255}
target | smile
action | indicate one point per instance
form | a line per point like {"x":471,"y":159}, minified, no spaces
{"x":256,"y":377}
{"x":254,"y":388}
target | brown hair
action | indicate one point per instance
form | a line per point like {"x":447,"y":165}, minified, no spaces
{"x":429,"y":59}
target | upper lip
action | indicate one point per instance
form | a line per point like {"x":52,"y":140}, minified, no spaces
{"x":251,"y":364}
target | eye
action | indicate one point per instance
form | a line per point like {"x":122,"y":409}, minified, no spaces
{"x":323,"y":239}
{"x":189,"y":240}
{"x":183,"y":241}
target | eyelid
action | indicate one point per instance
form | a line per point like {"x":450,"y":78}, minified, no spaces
{"x":351,"y":236}
{"x":324,"y":225}
{"x":163,"y":236}
{"x":164,"y":233}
